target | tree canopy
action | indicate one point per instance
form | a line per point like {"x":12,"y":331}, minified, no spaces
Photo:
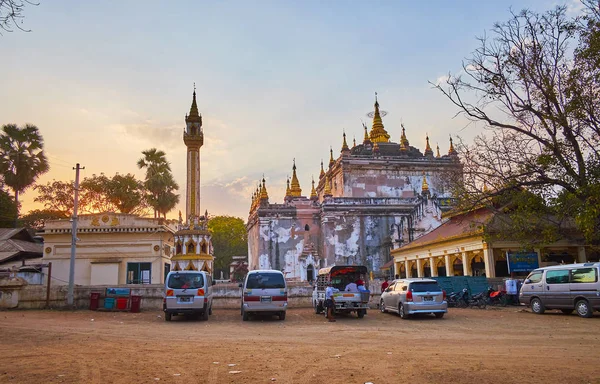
{"x":159,"y":182}
{"x":534,"y":83}
{"x":229,"y":238}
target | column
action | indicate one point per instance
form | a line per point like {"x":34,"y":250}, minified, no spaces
{"x":406,"y":269}
{"x":433,"y":266}
{"x":581,"y":256}
{"x":449,"y":271}
{"x":465,"y":261}
{"x":490,"y":262}
{"x":419,"y":271}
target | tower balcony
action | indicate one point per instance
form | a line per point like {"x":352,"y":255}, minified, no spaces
{"x":193,"y":141}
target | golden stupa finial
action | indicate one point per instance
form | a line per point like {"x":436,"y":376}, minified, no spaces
{"x":354,"y":141}
{"x":287,"y":188}
{"x":263,"y":191}
{"x":378,"y":133}
{"x":295,"y":190}
{"x":451,"y":151}
{"x":331,"y":161}
{"x":344,"y":144}
{"x":327,"y":189}
{"x":424,"y":185}
{"x":428,"y":151}
{"x":322,"y":171}
{"x":403,"y":140}
{"x":194,"y":115}
{"x":366,"y":138}
{"x":313,"y":191}
{"x":437,"y":146}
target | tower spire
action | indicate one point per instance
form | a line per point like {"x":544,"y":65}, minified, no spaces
{"x":322,"y":171}
{"x":452,"y":151}
{"x":194,"y":115}
{"x":313,"y":191}
{"x":288,"y":193}
{"x":437,"y":146}
{"x":327,"y":189}
{"x":331,"y":161}
{"x":428,"y":151}
{"x":378,"y":133}
{"x":263,"y":191}
{"x":345,"y":148}
{"x":366,"y":138}
{"x":403,"y":140}
{"x":295,"y":189}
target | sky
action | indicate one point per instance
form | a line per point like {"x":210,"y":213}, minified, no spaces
{"x":275,"y":81}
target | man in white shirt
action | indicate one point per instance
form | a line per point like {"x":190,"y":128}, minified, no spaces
{"x":351,"y":287}
{"x":329,"y":300}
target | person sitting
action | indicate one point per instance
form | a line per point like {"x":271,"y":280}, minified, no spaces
{"x":351,"y":287}
{"x":361,"y":286}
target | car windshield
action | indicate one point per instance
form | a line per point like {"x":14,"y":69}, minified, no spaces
{"x":425,"y":286}
{"x":265,"y":281}
{"x":185,"y":280}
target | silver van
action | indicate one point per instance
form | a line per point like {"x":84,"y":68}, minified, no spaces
{"x":565,"y":287}
{"x":411,"y":296}
{"x":264,"y":292}
{"x":188,"y":293}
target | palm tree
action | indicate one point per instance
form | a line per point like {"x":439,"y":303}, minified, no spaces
{"x":159,"y":181}
{"x":22,"y":157}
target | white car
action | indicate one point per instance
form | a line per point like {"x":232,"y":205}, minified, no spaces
{"x":264,"y":292}
{"x":188,"y":293}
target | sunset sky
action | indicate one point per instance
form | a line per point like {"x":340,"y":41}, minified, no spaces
{"x":276,"y":80}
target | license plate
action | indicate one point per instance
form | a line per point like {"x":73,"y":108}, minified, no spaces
{"x":427,"y":298}
{"x":185,"y":299}
{"x":265,"y":299}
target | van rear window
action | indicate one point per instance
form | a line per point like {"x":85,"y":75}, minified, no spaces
{"x":425,"y":287}
{"x":185,"y":280}
{"x":265,"y":281}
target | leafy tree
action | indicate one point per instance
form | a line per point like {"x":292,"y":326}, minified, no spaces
{"x":159,"y":182}
{"x":127,"y":194}
{"x":37,"y":218}
{"x":538,"y":98}
{"x":57,"y":196}
{"x":229,"y":238}
{"x":8,"y":210}
{"x":22,"y":158}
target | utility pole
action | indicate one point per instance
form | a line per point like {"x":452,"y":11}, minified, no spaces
{"x":73,"y":237}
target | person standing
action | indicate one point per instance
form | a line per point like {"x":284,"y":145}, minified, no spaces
{"x":330,"y":301}
{"x":384,"y":285}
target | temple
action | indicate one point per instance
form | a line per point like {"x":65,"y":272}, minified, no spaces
{"x":373,"y":197}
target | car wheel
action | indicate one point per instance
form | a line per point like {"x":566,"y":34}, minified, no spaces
{"x":318,"y":308}
{"x":204,"y":316}
{"x":244,"y":315}
{"x":167,"y":316}
{"x":210,"y":310}
{"x":583,"y":308}
{"x":281,"y":316}
{"x":566,"y":311}
{"x":361,"y":313}
{"x":439,"y":315}
{"x":537,"y":306}
{"x":401,"y":312}
{"x":382,"y":307}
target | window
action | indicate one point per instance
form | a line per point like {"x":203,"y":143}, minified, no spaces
{"x":391,"y":287}
{"x":535,"y":277}
{"x":398,"y":288}
{"x":584,"y":275}
{"x":139,"y":273}
{"x":190,"y":248}
{"x":265,"y":281}
{"x":186,"y":280}
{"x":306,"y":227}
{"x":560,"y":276}
{"x":425,"y":287}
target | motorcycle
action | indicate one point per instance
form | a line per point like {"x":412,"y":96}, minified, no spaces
{"x":496,"y":297}
{"x":478,"y":300}
{"x":457,"y":299}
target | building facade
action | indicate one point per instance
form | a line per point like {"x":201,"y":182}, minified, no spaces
{"x":112,"y":249}
{"x":375,"y":196}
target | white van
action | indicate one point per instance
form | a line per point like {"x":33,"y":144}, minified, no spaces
{"x":264,"y":292}
{"x":188,"y":293}
{"x":565,"y":287}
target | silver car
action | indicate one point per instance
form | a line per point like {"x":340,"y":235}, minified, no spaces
{"x":411,"y":296}
{"x":264,"y":292}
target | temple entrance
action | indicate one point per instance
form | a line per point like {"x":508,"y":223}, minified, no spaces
{"x":426,"y":269}
{"x":457,"y":267}
{"x":310,"y":273}
{"x":441,"y":268}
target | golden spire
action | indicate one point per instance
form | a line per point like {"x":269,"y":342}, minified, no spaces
{"x":424,"y":185}
{"x":263,"y":191}
{"x":354,"y":141}
{"x":331,"y":161}
{"x":313,"y":192}
{"x":403,"y":139}
{"x":322,"y":171}
{"x":287,"y":189}
{"x":344,"y":144}
{"x":295,"y":189}
{"x":438,"y":150}
{"x":378,"y":133}
{"x":253,"y":202}
{"x":428,"y":151}
{"x":451,"y":151}
{"x":327,"y":189}
{"x":194,"y":115}
{"x":366,"y":138}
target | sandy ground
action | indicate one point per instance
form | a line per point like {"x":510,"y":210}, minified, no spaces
{"x":508,"y":345}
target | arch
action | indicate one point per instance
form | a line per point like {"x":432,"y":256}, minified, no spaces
{"x":457,"y":266}
{"x":204,"y":247}
{"x":178,"y":248}
{"x":413,"y":269}
{"x":477,"y":266}
{"x":310,"y":273}
{"x":426,"y":268}
{"x":177,"y":267}
{"x":190,"y":248}
{"x":441,"y":267}
{"x":306,"y":228}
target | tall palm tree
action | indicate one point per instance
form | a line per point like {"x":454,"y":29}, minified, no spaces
{"x":22,"y":157}
{"x":159,"y":181}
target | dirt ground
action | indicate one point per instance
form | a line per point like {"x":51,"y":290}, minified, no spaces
{"x":508,"y":345}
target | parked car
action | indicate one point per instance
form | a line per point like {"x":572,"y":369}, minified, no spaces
{"x":565,"y":287}
{"x":264,"y":292}
{"x":411,"y":296}
{"x":345,"y":302}
{"x":188,"y":293}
